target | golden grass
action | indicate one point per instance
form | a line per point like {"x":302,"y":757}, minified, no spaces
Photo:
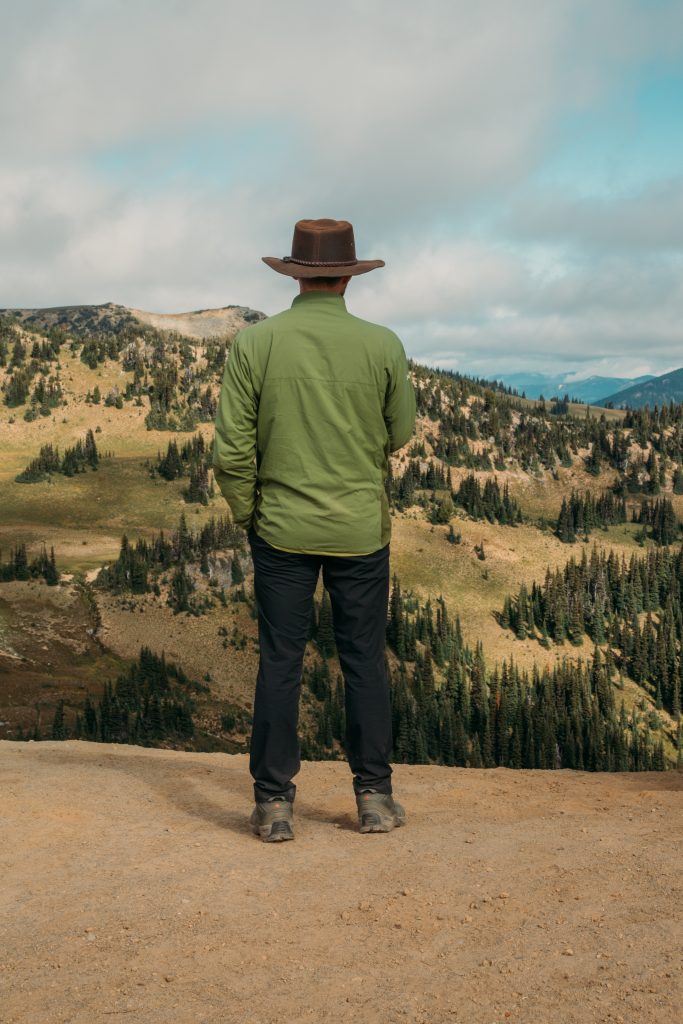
{"x":84,"y":516}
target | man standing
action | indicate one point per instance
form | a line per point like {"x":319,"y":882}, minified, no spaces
{"x":312,"y":402}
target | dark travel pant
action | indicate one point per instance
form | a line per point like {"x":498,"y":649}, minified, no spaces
{"x":284,"y":585}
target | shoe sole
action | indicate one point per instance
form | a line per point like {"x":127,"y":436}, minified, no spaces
{"x":277,"y":832}
{"x":373,"y":822}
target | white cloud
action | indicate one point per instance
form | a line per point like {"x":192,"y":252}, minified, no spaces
{"x":650,"y":219}
{"x":460,"y":279}
{"x":508,"y":313}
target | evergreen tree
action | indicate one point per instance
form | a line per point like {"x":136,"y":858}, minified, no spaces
{"x":59,"y":731}
{"x":236,"y":573}
{"x":325,"y":640}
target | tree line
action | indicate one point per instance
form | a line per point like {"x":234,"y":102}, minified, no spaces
{"x":604,"y":597}
{"x":73,"y":460}
{"x":448,"y":708}
{"x":20,"y":568}
{"x":138,"y":566}
{"x":518,"y":435}
{"x":149,"y":704}
{"x":192,"y":459}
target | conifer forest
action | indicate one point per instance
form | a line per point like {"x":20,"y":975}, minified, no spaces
{"x":536,"y":609}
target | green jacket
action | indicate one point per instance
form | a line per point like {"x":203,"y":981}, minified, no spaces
{"x":312,"y":402}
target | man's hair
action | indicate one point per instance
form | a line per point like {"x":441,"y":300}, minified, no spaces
{"x":322,"y":282}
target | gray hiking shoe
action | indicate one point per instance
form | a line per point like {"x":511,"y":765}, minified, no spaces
{"x":273,"y":820}
{"x":378,"y":812}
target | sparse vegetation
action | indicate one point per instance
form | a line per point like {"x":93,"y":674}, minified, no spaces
{"x":449,"y":709}
{"x":148,"y":705}
{"x":555,"y":464}
{"x":20,"y":568}
{"x":76,"y":459}
{"x":579,"y":516}
{"x":605,"y":598}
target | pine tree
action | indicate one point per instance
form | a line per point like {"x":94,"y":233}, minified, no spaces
{"x":51,"y":571}
{"x":180,"y":589}
{"x":236,"y":573}
{"x":326,"y":641}
{"x":59,"y":731}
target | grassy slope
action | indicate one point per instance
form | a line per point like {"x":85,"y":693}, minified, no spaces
{"x":84,"y":517}
{"x":119,"y":497}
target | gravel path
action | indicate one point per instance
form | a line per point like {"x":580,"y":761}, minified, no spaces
{"x":133,"y":889}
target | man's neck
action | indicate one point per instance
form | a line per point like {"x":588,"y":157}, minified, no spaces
{"x":303,"y":290}
{"x":325,"y":295}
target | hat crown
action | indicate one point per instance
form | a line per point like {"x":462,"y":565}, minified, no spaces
{"x":322,"y":248}
{"x":323,"y":242}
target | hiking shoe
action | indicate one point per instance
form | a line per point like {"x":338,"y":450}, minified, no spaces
{"x":378,"y":812}
{"x":273,"y":820}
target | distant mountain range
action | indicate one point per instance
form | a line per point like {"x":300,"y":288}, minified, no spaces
{"x":591,"y":390}
{"x":635,"y":392}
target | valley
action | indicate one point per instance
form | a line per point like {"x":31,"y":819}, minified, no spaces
{"x":156,"y":388}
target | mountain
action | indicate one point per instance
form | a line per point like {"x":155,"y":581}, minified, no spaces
{"x":590,"y":389}
{"x":107,"y":416}
{"x":110,"y":318}
{"x":655,"y":391}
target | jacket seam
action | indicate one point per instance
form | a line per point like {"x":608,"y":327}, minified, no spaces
{"x":326,"y":380}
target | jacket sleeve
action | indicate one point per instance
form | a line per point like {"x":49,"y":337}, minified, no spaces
{"x":399,"y":402}
{"x":234,"y":446}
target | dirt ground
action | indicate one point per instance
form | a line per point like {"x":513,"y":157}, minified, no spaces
{"x":132,"y":888}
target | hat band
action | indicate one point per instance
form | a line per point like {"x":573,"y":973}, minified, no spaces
{"x":320,"y":263}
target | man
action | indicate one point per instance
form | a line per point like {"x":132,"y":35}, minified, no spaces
{"x":312,"y":402}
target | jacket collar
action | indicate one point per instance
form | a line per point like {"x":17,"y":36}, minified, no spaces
{"x":330,"y":299}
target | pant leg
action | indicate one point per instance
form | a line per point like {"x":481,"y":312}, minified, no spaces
{"x":359,"y":592}
{"x":284,"y":585}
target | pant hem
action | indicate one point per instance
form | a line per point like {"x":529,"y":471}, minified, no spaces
{"x":262,"y":797}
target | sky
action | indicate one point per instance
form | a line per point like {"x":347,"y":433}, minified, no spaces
{"x":518,"y":166}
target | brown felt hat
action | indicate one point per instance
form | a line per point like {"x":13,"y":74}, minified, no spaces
{"x":322,"y":248}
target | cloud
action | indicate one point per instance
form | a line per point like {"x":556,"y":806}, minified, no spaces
{"x":466,"y":279}
{"x":650,"y":219}
{"x":390,"y":108}
{"x":513,"y":309}
{"x":152,"y":153}
{"x":69,"y":238}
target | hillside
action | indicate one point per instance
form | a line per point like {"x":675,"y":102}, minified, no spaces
{"x":107,"y":426}
{"x":657,"y":391}
{"x":110,"y":318}
{"x":133,"y":888}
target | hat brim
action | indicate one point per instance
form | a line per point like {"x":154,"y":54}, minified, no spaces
{"x":299,"y":270}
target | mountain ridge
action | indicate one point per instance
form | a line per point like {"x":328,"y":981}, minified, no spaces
{"x":589,"y":389}
{"x":111,"y":318}
{"x":662,"y":390}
